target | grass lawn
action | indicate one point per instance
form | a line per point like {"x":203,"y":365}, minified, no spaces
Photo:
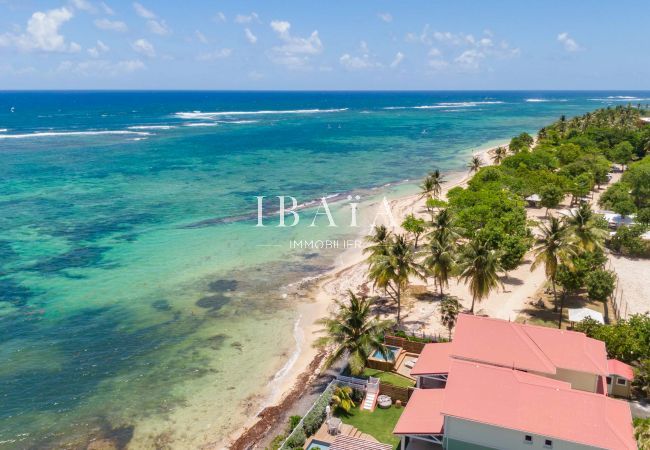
{"x":379,"y":423}
{"x":389,"y":377}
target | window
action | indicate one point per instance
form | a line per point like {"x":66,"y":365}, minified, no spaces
{"x":621,"y":381}
{"x":528,"y":439}
{"x":609,"y":380}
{"x":548,"y":443}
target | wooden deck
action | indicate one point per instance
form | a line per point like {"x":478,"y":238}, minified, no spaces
{"x":346,"y":430}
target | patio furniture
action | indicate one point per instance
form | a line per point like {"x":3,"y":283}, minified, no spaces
{"x":384,"y":401}
{"x":411,"y":363}
{"x":334,"y":426}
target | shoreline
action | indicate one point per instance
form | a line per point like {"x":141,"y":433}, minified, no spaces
{"x":321,"y":292}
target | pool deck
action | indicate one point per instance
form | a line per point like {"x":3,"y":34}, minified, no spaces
{"x":346,"y":430}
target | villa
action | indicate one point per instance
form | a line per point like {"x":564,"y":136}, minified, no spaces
{"x":506,"y":385}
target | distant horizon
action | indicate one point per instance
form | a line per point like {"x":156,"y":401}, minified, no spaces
{"x":322,"y":90}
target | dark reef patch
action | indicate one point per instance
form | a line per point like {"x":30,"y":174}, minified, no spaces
{"x":222,"y":285}
{"x":213,"y":302}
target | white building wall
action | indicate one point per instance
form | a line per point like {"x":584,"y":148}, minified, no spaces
{"x":500,"y":438}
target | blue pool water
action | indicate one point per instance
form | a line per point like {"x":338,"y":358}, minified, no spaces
{"x":394,"y":350}
{"x":318,"y":445}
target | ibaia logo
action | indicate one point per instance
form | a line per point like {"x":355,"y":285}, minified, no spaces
{"x":323,"y":209}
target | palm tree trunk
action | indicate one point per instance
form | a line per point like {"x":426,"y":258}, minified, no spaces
{"x":399,"y":302}
{"x":559,"y":325}
{"x":441,"y":293}
{"x":471,"y":310}
{"x":554,"y":295}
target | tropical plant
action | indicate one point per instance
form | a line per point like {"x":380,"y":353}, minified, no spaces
{"x":552,"y":248}
{"x":479,"y":265}
{"x":378,"y":241}
{"x":450,"y":307}
{"x":440,"y":260}
{"x":499,"y":155}
{"x":415,"y":226}
{"x":475,"y":164}
{"x":391,"y":271}
{"x":444,"y":227}
{"x":600,"y":284}
{"x":437,"y":180}
{"x":353,"y":330}
{"x":641,"y":382}
{"x":427,"y":188}
{"x":551,"y":196}
{"x":588,"y":232}
{"x":342,"y":398}
{"x":642,"y":433}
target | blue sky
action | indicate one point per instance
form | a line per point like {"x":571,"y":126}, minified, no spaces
{"x":191,"y":44}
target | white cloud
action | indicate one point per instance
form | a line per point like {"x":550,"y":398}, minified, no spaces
{"x":438,"y":64}
{"x":143,"y":12}
{"x":217,"y":54}
{"x":470,"y":59}
{"x":111,"y":25}
{"x":220,"y":17}
{"x":96,"y":67}
{"x":158,"y":27}
{"x":386,"y":17}
{"x":107,"y":9}
{"x":399,"y":57}
{"x":570,"y":45}
{"x":144,"y":47}
{"x":434,"y":52}
{"x":252,"y":17}
{"x":98,"y":49}
{"x":83,"y":5}
{"x":201,"y":37}
{"x":250,"y":36}
{"x":361,"y":62}
{"x":42,"y":33}
{"x":295,"y":52}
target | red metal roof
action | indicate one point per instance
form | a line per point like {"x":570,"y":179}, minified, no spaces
{"x":526,"y":347}
{"x":433,"y":359}
{"x":526,"y":402}
{"x":422,"y":413}
{"x":616,"y":367}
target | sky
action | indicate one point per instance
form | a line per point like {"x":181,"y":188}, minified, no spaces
{"x":329,"y":45}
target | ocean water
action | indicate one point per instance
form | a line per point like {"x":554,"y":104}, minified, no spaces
{"x":138,"y":300}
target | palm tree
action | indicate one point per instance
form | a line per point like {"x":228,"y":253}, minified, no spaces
{"x":449,"y":309}
{"x":444,"y":227}
{"x":379,"y":241}
{"x":437,"y":180}
{"x":353,"y":330}
{"x":475,"y":164}
{"x":391,"y":271}
{"x":342,"y":398}
{"x":427,"y":188}
{"x":440,"y":261}
{"x":552,"y":248}
{"x":479,"y":266}
{"x":499,"y":155}
{"x":583,"y":226}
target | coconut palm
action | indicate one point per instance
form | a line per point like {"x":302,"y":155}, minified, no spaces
{"x":437,"y":180}
{"x":552,"y":248}
{"x":499,"y":155}
{"x":353,"y":330}
{"x":378,"y":240}
{"x":444,"y":227}
{"x":391,"y":271}
{"x":475,"y":164}
{"x":449,"y":309}
{"x":440,"y":261}
{"x":427,"y":187}
{"x":479,"y":265}
{"x":342,"y":398}
{"x":582,"y":224}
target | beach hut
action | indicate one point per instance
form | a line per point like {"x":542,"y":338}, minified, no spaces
{"x":534,"y":200}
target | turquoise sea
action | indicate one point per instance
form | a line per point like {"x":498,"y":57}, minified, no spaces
{"x":138,"y":300}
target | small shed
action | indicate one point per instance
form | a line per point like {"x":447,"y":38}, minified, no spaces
{"x":534,"y":200}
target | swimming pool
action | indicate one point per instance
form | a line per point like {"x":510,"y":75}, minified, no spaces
{"x":318,"y":445}
{"x":394,"y":351}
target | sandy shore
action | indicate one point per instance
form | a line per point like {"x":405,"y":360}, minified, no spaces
{"x":350,"y":273}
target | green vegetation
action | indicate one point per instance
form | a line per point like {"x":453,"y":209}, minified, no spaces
{"x":355,"y":331}
{"x":626,"y":340}
{"x":450,"y":307}
{"x":379,"y":423}
{"x":342,"y":398}
{"x":389,"y":377}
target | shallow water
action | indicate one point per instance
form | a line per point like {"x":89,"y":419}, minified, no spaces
{"x":138,"y":300}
